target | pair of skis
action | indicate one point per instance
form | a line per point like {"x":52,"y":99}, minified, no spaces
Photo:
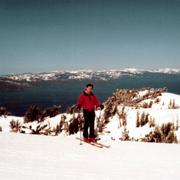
{"x":96,"y":144}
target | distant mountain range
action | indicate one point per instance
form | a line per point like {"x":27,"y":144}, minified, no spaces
{"x":103,"y":75}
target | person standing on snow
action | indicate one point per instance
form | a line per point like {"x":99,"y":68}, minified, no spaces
{"x":89,"y":103}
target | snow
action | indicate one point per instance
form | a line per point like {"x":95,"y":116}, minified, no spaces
{"x":5,"y":122}
{"x":46,"y":157}
{"x":167,"y":70}
{"x":132,"y":70}
{"x":159,"y":112}
{"x":167,"y":97}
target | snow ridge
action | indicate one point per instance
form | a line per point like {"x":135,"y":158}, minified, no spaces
{"x":85,"y":74}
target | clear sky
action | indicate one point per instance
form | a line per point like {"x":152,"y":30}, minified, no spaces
{"x":44,"y":35}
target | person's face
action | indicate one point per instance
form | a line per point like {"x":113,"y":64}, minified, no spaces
{"x":89,"y":89}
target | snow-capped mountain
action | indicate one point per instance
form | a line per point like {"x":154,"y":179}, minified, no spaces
{"x":70,"y":75}
{"x":82,"y":74}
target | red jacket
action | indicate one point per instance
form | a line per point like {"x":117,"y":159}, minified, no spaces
{"x":88,"y":101}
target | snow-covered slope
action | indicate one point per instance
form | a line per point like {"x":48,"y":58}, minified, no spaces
{"x":25,"y":156}
{"x":34,"y":157}
{"x":152,"y":116}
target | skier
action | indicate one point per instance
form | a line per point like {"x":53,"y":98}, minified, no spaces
{"x":89,"y":103}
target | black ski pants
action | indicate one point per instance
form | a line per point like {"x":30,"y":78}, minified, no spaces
{"x":89,"y":117}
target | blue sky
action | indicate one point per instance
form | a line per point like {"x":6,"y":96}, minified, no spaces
{"x":44,"y":35}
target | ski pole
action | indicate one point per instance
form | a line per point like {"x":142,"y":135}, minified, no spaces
{"x":98,"y":122}
{"x":80,"y":138}
{"x":80,"y":124}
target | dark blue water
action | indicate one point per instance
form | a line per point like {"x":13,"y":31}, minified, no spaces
{"x":65,"y":93}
